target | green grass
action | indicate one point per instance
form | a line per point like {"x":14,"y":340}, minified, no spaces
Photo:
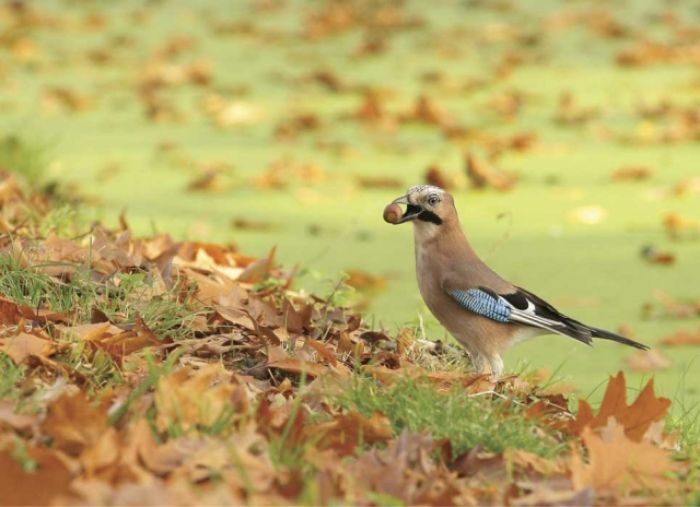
{"x":30,"y":287}
{"x":493,"y":423}
{"x":10,"y":376}
{"x":122,"y":298}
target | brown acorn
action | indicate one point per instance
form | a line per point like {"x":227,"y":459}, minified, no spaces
{"x":392,"y":213}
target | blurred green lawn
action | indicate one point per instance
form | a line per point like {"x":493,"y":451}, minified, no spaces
{"x":121,"y":159}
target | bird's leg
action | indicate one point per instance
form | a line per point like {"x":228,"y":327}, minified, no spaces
{"x":496,"y":366}
{"x":478,"y":362}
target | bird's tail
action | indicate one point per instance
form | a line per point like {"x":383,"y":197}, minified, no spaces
{"x":607,"y":335}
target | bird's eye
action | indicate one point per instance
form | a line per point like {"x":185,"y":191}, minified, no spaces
{"x":433,"y":200}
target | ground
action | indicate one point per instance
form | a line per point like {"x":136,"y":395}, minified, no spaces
{"x":147,"y":371}
{"x":245,"y":123}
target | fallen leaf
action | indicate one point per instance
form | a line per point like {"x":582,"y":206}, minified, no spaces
{"x":674,"y":308}
{"x":425,"y":111}
{"x":347,"y":431}
{"x":527,"y":462}
{"x":299,"y":366}
{"x":654,"y":256}
{"x":632,"y":173}
{"x":644,"y":361}
{"x":543,"y":496}
{"x":636,"y":418}
{"x":10,"y":313}
{"x":91,"y":332}
{"x":372,"y":110}
{"x":403,"y":470}
{"x":210,"y":180}
{"x":681,"y":338}
{"x":105,"y":452}
{"x":189,"y":399}
{"x":323,"y":351}
{"x":476,"y":462}
{"x":619,"y":465}
{"x":24,"y":345}
{"x":434,"y":176}
{"x":64,"y":98}
{"x":482,"y":175}
{"x":678,"y":226}
{"x":43,"y":486}
{"x":292,"y":127}
{"x":258,"y":270}
{"x":362,"y":280}
{"x":328,"y":79}
{"x":74,"y":423}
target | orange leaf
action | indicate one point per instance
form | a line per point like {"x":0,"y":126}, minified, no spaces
{"x":682,"y":337}
{"x":23,"y":345}
{"x":647,"y":361}
{"x":74,"y":424}
{"x":345,"y":432}
{"x":192,"y":398}
{"x":51,"y":479}
{"x":618,"y":464}
{"x":322,"y":350}
{"x":635,"y":418}
{"x":296,"y":365}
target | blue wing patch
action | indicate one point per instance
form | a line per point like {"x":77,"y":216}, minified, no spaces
{"x":482,"y":303}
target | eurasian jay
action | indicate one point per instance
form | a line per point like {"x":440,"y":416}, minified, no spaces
{"x":484,"y":312}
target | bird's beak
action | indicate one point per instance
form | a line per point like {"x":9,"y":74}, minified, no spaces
{"x":412,"y":210}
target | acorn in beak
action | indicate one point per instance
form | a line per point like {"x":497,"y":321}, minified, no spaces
{"x":393,"y":213}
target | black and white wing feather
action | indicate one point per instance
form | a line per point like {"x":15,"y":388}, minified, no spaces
{"x":523,"y":307}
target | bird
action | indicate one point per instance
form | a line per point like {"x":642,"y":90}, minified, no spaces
{"x":484,"y":312}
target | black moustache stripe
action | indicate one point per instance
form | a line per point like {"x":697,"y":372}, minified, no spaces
{"x":429,"y":216}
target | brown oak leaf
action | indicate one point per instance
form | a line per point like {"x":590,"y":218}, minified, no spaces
{"x":635,"y":418}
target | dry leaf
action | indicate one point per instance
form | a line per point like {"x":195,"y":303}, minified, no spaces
{"x":299,"y":366}
{"x":679,"y":227}
{"x":482,"y":175}
{"x":74,"y":423}
{"x":675,"y":308}
{"x":24,"y":345}
{"x":189,"y":399}
{"x":48,"y":482}
{"x":654,"y":256}
{"x":632,"y":173}
{"x":346,"y":431}
{"x":434,"y":176}
{"x":644,"y":361}
{"x":362,"y":280}
{"x":682,"y":337}
{"x":619,"y":465}
{"x":636,"y":418}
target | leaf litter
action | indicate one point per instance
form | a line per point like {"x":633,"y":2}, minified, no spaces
{"x":225,"y":393}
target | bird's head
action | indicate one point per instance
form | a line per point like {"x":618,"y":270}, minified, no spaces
{"x":426,"y":205}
